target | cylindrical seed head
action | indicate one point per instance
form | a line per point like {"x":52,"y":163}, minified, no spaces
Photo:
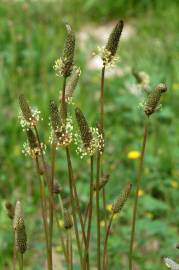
{"x":63,"y":111}
{"x":68,"y":221}
{"x":154,"y":98}
{"x":103,"y":181}
{"x":25,"y":108}
{"x":68,"y":53}
{"x":72,"y":83}
{"x":19,"y":227}
{"x":54,"y":115}
{"x":33,"y":144}
{"x":10,"y":210}
{"x":85,"y":132}
{"x":114,"y":38}
{"x":118,"y":205}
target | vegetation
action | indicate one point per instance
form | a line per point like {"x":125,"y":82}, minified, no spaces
{"x":32,"y":38}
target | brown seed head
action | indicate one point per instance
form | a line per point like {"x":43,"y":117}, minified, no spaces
{"x":72,"y":83}
{"x":114,"y":38}
{"x":68,"y":53}
{"x":103,"y":181}
{"x":33,"y":143}
{"x":54,"y":115}
{"x":154,"y":98}
{"x":19,"y":228}
{"x":31,"y":139}
{"x":10,"y":209}
{"x":68,"y":221}
{"x":85,"y":132}
{"x":25,"y":108}
{"x":118,"y":205}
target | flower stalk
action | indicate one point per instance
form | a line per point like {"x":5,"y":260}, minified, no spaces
{"x":139,"y":176}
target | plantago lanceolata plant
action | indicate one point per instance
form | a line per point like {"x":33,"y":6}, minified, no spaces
{"x":89,"y":142}
{"x":149,"y":108}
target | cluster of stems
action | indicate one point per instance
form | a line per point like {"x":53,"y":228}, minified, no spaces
{"x":82,"y":219}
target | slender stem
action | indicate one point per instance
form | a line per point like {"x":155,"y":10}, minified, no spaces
{"x":101,"y":124}
{"x":90,"y":205}
{"x":45,"y":169}
{"x":98,"y":212}
{"x":86,"y":213}
{"x":71,"y":251}
{"x":42,"y":194}
{"x":104,"y":207}
{"x":21,"y":261}
{"x":62,"y":239}
{"x":69,"y":248}
{"x":139,"y":176}
{"x":51,"y":210}
{"x":77,"y":202}
{"x":102,"y":100}
{"x":106,"y":243}
{"x":50,"y":186}
{"x":89,"y":211}
{"x":43,"y":209}
{"x":73,"y":206}
{"x":14,"y":254}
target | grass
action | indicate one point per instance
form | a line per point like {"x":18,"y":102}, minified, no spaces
{"x":30,"y":42}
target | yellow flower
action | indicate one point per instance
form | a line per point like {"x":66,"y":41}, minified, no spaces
{"x":175,"y":86}
{"x":141,"y":192}
{"x":61,"y":223}
{"x":133,"y":155}
{"x":109,"y":207}
{"x":102,"y":223}
{"x":174,"y":184}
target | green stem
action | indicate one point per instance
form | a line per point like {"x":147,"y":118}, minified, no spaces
{"x":90,"y":211}
{"x":139,"y":176}
{"x":71,"y":251}
{"x":51,"y":210}
{"x":86,"y":214}
{"x":69,"y":248}
{"x":14,"y":254}
{"x":73,"y":205}
{"x":49,"y":181}
{"x":62,"y":239}
{"x":106,"y":243}
{"x":76,"y":200}
{"x":43,"y":209}
{"x":102,"y":100}
{"x":98,"y":212}
{"x":45,"y":168}
{"x":21,"y":261}
{"x":101,"y":124}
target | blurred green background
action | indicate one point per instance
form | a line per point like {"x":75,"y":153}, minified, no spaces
{"x":31,"y":38}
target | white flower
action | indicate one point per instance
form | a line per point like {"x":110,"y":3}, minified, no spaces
{"x":32,"y":121}
{"x":63,"y":136}
{"x":96,"y":144}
